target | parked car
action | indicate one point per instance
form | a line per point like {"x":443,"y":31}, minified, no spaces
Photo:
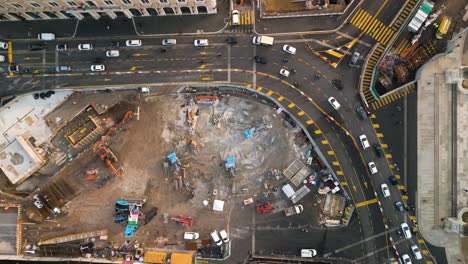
{"x":354,"y":59}
{"x":289,"y":49}
{"x":112,"y":53}
{"x":406,"y":259}
{"x":37,"y":46}
{"x":224,"y":235}
{"x":98,"y":67}
{"x":406,"y":230}
{"x":364,"y":141}
{"x":200,"y":42}
{"x":399,"y":206}
{"x":372,"y":167}
{"x":385,"y":190}
{"x":416,"y":252}
{"x":133,"y":43}
{"x":216,"y":239}
{"x":235,"y":17}
{"x":231,"y":40}
{"x":86,"y":46}
{"x":284,"y":72}
{"x":3,"y":45}
{"x":61,"y":47}
{"x":378,"y":150}
{"x":2,"y":58}
{"x":261,"y":60}
{"x":169,"y":42}
{"x":308,"y":253}
{"x":13,"y":68}
{"x":361,"y":113}
{"x":393,"y":179}
{"x":334,"y":103}
{"x":191,"y":235}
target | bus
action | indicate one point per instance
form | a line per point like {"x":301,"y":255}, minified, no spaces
{"x":443,"y":27}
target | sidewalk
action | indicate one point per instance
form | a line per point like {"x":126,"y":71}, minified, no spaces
{"x":153,"y":25}
{"x":441,"y":162}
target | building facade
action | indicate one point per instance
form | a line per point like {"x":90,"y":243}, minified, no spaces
{"x":79,"y":9}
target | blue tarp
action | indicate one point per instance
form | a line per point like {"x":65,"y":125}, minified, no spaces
{"x":248,"y":133}
{"x":172,"y":157}
{"x":230,"y":162}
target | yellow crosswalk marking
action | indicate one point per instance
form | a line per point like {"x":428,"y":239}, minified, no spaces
{"x":372,"y":26}
{"x":361,"y":204}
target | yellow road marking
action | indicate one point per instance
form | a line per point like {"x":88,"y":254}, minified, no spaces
{"x":339,"y":173}
{"x":397,"y":176}
{"x":202,"y":66}
{"x":330,"y":152}
{"x":375,"y":125}
{"x":31,"y":58}
{"x":203,"y":53}
{"x":281,"y":98}
{"x":335,"y":163}
{"x":384,"y":145}
{"x":291,"y":105}
{"x":365,"y":184}
{"x":344,"y":184}
{"x":107,"y":79}
{"x":139,"y":54}
{"x":301,"y":113}
{"x":379,"y":135}
{"x":324,"y":142}
{"x":136,"y":67}
{"x":388,"y":156}
{"x":400,"y":187}
{"x":10,"y":52}
{"x":259,"y":88}
{"x":371,"y":201}
{"x":248,"y":85}
{"x":269,"y":93}
{"x":318,"y":132}
{"x":206,"y":78}
{"x":310,"y":122}
{"x":412,"y":217}
{"x":420,"y":241}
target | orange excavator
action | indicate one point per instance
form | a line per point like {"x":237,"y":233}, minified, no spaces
{"x":104,"y":151}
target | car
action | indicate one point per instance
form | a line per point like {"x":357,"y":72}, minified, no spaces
{"x":224,"y":235}
{"x":13,"y":68}
{"x":385,"y":190}
{"x":406,"y":230}
{"x":260,"y":59}
{"x":38,"y":204}
{"x":400,"y":206}
{"x":216,"y":239}
{"x":2,"y":58}
{"x":378,"y":150}
{"x":61,"y":47}
{"x":284,"y":72}
{"x":235,"y":17}
{"x":416,"y":252}
{"x":231,"y":40}
{"x":405,"y":259}
{"x":372,"y":167}
{"x":112,"y":53}
{"x":37,"y":46}
{"x":364,"y":141}
{"x":3,"y":45}
{"x":414,"y":222}
{"x":289,"y":49}
{"x":308,"y":253}
{"x":200,"y":42}
{"x":393,"y":179}
{"x":168,"y":42}
{"x":334,"y":103}
{"x":360,"y":112}
{"x":86,"y":46}
{"x":191,"y":235}
{"x":62,"y":68}
{"x":354,"y":59}
{"x":115,"y":43}
{"x":338,"y":84}
{"x":98,"y":67}
{"x":133,"y":43}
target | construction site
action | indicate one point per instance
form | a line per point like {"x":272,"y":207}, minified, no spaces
{"x":136,"y":175}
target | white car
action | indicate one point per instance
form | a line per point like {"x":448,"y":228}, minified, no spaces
{"x":3,"y":45}
{"x":289,"y":49}
{"x":216,"y":239}
{"x":191,"y":235}
{"x":133,"y":43}
{"x":406,"y":259}
{"x":385,"y":190}
{"x":364,"y":142}
{"x":86,"y":46}
{"x":169,"y":42}
{"x":98,"y":68}
{"x":372,"y":167}
{"x":200,"y":42}
{"x":416,"y":252}
{"x":308,"y":253}
{"x":2,"y":58}
{"x":224,"y":236}
{"x":406,"y":230}
{"x":334,"y":103}
{"x":284,"y":72}
{"x":112,"y":53}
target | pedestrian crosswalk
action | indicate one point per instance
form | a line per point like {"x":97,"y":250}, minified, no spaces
{"x":387,"y":99}
{"x":372,"y":26}
{"x":246,"y":17}
{"x":399,"y":48}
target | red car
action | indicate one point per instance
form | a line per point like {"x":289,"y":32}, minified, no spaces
{"x":264,"y":208}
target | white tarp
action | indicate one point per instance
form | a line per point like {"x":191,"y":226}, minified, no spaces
{"x":218,"y":205}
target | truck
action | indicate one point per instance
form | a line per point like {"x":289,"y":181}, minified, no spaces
{"x":293,"y":210}
{"x":263,"y":40}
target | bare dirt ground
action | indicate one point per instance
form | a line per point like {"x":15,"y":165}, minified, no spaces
{"x":142,"y":147}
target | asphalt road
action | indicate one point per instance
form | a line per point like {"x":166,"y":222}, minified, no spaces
{"x":366,"y":238}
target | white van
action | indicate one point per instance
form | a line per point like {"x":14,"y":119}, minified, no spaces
{"x":46,"y":36}
{"x":235,"y":18}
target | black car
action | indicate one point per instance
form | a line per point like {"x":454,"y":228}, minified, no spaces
{"x":37,"y":46}
{"x":13,"y":68}
{"x":378,"y":150}
{"x":61,"y":47}
{"x":261,"y":60}
{"x":361,"y":113}
{"x":115,"y":44}
{"x":338,"y":84}
{"x":231,"y":41}
{"x":393,"y":179}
